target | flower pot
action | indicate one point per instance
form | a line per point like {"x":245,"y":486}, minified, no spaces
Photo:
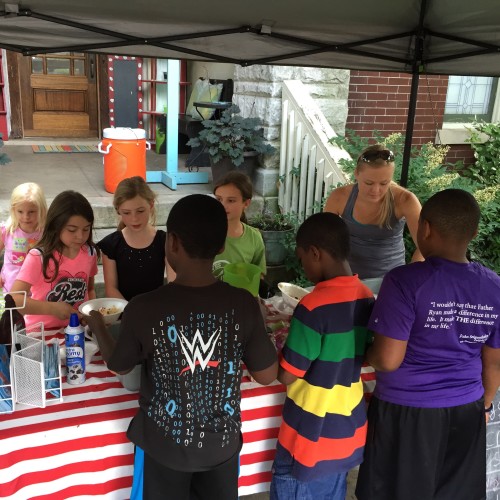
{"x":221,"y":168}
{"x":274,"y":242}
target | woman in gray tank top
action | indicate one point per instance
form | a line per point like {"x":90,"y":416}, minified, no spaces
{"x":376,"y":209}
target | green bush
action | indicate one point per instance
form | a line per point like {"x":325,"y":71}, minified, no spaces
{"x":428,"y":174}
{"x":292,"y":262}
{"x":486,"y":169}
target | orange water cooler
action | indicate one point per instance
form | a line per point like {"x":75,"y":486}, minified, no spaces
{"x":124,"y":151}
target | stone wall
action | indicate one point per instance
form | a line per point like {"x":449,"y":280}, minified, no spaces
{"x":257,"y":91}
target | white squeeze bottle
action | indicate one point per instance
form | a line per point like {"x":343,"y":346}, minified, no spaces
{"x":75,"y":351}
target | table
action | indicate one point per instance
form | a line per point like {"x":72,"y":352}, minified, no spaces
{"x":261,"y":419}
{"x":72,"y":449}
{"x":261,"y":408}
{"x":78,"y":448}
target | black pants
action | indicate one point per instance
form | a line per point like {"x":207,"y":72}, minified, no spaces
{"x":424,"y":453}
{"x":162,"y":483}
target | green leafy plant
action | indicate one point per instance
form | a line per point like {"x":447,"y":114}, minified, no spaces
{"x":485,"y":247}
{"x":288,"y":223}
{"x":292,"y":262}
{"x":274,"y":229}
{"x":272,"y":222}
{"x":230,"y":136}
{"x":429,"y":173}
{"x":486,"y":169}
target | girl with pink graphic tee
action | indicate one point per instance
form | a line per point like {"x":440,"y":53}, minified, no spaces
{"x":59,"y":273}
{"x":22,"y":230}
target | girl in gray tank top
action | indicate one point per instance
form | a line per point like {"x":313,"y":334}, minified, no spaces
{"x":374,"y":249}
{"x":383,"y":209}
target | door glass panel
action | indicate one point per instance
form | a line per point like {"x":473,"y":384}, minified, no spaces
{"x":58,"y":66}
{"x":36,"y":65}
{"x":79,"y":68}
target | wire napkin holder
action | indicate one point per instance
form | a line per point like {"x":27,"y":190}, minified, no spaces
{"x":31,"y":374}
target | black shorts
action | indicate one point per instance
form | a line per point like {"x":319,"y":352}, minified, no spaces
{"x":424,"y":453}
{"x":162,"y":483}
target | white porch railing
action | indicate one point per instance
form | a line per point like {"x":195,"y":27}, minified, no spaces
{"x":308,"y":162}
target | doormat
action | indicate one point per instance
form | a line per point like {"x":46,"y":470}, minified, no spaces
{"x":64,"y":149}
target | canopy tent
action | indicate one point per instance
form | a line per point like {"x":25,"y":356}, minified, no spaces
{"x":413,"y":36}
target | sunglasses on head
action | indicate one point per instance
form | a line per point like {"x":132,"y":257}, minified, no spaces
{"x":381,"y":154}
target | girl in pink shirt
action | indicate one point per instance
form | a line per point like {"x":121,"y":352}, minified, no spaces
{"x":59,"y":273}
{"x":22,"y":230}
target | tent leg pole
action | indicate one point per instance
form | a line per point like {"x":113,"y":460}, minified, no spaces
{"x":412,"y":107}
{"x":171,"y":176}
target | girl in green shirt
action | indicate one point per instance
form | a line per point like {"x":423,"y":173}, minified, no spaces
{"x":243,"y":242}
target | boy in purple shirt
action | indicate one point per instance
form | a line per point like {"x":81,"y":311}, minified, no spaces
{"x":437,"y":355}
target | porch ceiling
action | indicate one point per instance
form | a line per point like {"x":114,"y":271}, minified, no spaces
{"x":434,"y":36}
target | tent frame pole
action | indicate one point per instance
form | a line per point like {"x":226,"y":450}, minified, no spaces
{"x":171,"y":176}
{"x":417,"y":67}
{"x":410,"y":122}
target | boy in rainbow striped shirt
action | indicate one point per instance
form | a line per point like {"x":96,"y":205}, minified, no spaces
{"x":323,"y":432}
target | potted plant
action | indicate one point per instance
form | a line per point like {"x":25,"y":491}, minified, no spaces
{"x":277,"y":232}
{"x":232,"y":142}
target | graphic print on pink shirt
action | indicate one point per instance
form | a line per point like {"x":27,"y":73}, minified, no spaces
{"x":71,"y":284}
{"x":20,"y":247}
{"x":69,"y":288}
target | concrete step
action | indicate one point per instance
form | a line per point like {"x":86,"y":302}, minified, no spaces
{"x":105,"y":216}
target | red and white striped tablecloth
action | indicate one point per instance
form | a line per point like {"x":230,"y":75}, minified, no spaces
{"x":78,"y":448}
{"x":74,"y":449}
{"x":261,"y":408}
{"x":261,"y":418}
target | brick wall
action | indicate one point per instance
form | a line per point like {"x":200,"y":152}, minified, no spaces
{"x":379,"y":101}
{"x":460,"y":152}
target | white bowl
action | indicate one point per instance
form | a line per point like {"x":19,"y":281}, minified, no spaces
{"x":101,"y":305}
{"x":292,"y":293}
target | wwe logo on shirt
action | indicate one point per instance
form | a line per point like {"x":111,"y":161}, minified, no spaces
{"x":199,"y":352}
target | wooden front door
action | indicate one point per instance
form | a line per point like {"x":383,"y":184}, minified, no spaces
{"x":59,"y":95}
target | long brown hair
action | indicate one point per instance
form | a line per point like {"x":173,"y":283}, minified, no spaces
{"x":64,"y":206}
{"x":379,"y":152}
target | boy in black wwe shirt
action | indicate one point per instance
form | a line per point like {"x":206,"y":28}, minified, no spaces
{"x":190,"y":337}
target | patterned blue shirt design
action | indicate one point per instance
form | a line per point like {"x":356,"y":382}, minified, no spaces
{"x":196,"y":375}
